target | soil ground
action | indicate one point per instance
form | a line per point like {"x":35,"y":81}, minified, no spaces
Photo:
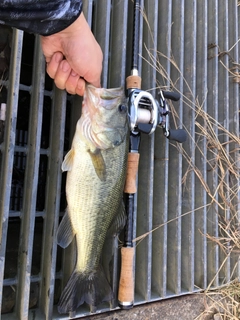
{"x":188,"y":307}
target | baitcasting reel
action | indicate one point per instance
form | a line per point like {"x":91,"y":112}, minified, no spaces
{"x":146,"y":113}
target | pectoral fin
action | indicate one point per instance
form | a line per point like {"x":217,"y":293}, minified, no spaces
{"x":68,"y":161}
{"x":98,"y":163}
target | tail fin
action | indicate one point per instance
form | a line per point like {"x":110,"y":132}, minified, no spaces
{"x":92,"y":288}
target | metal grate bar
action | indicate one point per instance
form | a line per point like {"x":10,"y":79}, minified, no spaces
{"x":118,"y":44}
{"x":24,"y":87}
{"x":232,"y":119}
{"x":53,"y":194}
{"x":88,"y":11}
{"x":224,"y":116}
{"x":102,"y":29}
{"x":15,"y":214}
{"x":188,"y":193}
{"x":9,"y":141}
{"x":200,"y":246}
{"x":175,"y":160}
{"x":30,"y":192}
{"x":234,"y":111}
{"x":212,"y":103}
{"x":161,"y":162}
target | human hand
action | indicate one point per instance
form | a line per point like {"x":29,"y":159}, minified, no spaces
{"x":73,"y":56}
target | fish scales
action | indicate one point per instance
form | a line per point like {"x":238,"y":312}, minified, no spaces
{"x":96,"y":166}
{"x":99,"y":198}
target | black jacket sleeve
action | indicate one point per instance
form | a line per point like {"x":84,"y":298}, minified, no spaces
{"x":44,"y":17}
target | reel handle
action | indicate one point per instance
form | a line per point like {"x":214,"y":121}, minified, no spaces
{"x":175,"y":96}
{"x":178,"y":135}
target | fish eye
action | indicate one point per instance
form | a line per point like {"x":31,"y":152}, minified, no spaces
{"x":116,"y":143}
{"x":122,"y":108}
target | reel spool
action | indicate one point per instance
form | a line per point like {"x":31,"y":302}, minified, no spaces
{"x":146,"y":113}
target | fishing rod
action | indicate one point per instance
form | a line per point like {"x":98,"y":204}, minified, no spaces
{"x":145,"y":114}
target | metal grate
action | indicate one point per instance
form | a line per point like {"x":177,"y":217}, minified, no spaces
{"x":188,"y":45}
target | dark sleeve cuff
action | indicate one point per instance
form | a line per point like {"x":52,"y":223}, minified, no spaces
{"x":41,"y":17}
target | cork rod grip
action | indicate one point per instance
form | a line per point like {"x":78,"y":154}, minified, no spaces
{"x":133,"y":82}
{"x":126,"y":283}
{"x":132,"y":169}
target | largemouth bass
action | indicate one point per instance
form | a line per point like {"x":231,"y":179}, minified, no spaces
{"x":96,"y":166}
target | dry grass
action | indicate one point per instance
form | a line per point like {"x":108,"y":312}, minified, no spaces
{"x":222,"y":303}
{"x":222,"y":158}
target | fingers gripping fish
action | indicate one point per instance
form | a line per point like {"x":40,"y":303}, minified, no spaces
{"x":96,"y":166}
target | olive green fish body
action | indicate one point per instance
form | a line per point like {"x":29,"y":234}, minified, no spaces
{"x":92,"y":203}
{"x":96,"y":166}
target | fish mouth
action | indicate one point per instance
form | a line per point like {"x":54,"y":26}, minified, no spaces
{"x":106,"y":96}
